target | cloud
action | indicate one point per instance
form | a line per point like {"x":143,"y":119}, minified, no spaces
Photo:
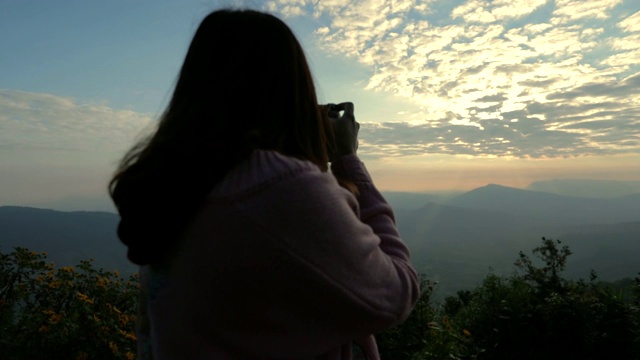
{"x":52,"y":147}
{"x":571,"y":10}
{"x":484,"y":11}
{"x":631,"y":24}
{"x":526,"y":78}
{"x":623,"y":89}
{"x":47,"y":122}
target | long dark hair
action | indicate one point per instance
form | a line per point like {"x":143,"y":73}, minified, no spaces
{"x":245,"y":84}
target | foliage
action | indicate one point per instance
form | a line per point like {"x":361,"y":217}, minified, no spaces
{"x":533,"y":314}
{"x":536,"y":314}
{"x":83,"y":313}
{"x":67,"y":313}
{"x":427,"y":332}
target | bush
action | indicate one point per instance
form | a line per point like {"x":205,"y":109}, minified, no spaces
{"x":536,"y":314}
{"x":427,"y":333}
{"x":86,"y":313}
{"x":65,"y":313}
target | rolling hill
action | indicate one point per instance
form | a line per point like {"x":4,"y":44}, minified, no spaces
{"x":454,"y":240}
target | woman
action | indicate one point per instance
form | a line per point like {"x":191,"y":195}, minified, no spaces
{"x":249,"y":248}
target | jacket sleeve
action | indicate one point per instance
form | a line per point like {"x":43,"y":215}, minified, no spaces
{"x":346,"y":248}
{"x":291,"y":267}
{"x":375,"y":212}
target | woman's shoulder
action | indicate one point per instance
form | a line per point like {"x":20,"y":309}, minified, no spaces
{"x":260,"y":169}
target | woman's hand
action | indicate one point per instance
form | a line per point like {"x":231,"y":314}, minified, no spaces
{"x":345,"y":129}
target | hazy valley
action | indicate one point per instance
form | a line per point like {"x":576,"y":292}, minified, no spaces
{"x":455,"y":238}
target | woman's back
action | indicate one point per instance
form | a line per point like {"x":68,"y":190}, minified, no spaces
{"x":278,"y":265}
{"x":249,"y":247}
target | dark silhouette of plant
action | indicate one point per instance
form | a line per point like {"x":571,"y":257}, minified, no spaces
{"x":428,"y":333}
{"x":86,"y":313}
{"x":537,"y":314}
{"x":64,"y":313}
{"x":548,"y":277}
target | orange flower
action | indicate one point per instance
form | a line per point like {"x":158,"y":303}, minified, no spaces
{"x":84,"y":298}
{"x":55,"y":318}
{"x":466,"y":332}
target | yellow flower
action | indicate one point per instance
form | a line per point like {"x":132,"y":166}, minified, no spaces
{"x":123,"y":319}
{"x":466,"y":332}
{"x":130,"y":355}
{"x":68,"y":269}
{"x":55,"y":318}
{"x":100,"y":282}
{"x":96,"y":318}
{"x":84,"y":298}
{"x":116,"y":273}
{"x":130,"y":336}
{"x":113,"y":347}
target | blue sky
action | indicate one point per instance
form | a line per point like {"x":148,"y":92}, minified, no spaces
{"x":451,"y":94}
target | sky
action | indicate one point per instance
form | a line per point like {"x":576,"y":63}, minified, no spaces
{"x":451,"y":94}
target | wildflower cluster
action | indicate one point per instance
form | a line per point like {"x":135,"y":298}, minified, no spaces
{"x":69,"y":313}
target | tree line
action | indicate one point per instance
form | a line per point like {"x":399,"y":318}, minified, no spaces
{"x":86,"y":313}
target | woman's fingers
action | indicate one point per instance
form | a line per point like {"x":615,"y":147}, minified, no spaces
{"x":348,"y":110}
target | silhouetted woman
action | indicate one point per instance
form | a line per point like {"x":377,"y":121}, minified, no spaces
{"x":249,"y":248}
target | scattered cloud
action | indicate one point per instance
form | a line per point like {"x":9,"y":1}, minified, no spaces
{"x":47,"y":122}
{"x":631,"y":24}
{"x":53,"y":147}
{"x":571,"y":10}
{"x":515,"y":78}
{"x":486,"y":11}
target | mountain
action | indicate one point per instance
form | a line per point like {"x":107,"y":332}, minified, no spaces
{"x":77,"y":203}
{"x":612,"y":250}
{"x":457,"y":242}
{"x":453,"y":240}
{"x":411,"y":200}
{"x":587,"y":187}
{"x":67,"y":237}
{"x":555,"y":209}
{"x":458,"y":246}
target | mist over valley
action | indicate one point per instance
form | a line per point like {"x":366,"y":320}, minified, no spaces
{"x":455,"y":238}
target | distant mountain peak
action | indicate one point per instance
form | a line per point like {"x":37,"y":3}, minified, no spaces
{"x":493,"y":188}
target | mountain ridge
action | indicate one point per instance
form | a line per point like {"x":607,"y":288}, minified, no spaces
{"x":453,"y":240}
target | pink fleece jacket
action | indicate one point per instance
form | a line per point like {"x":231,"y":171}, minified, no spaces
{"x":281,"y":263}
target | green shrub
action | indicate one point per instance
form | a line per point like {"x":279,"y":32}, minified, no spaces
{"x":65,"y":313}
